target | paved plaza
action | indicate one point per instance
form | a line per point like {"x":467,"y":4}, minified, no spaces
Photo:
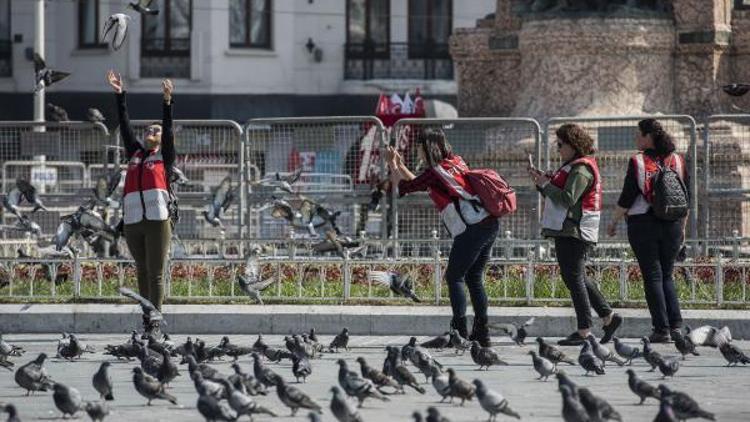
{"x":722,"y":390}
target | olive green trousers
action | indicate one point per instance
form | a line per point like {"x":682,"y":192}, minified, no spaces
{"x":148,"y":242}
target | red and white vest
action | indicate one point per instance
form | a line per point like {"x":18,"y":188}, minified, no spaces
{"x":145,"y":194}
{"x":591,"y":202}
{"x":646,"y":168}
{"x":451,"y":172}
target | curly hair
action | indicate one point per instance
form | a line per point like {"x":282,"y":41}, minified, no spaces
{"x":576,"y":137}
{"x":663,"y":141}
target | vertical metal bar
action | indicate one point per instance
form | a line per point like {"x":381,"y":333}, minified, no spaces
{"x":347,"y":276}
{"x":706,"y":179}
{"x":719,"y":277}
{"x":76,"y":277}
{"x":694,"y":179}
{"x":437,"y":269}
{"x":530,"y":278}
{"x":623,"y":277}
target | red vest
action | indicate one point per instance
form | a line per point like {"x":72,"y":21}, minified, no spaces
{"x":646,"y":168}
{"x":454,"y":185}
{"x":145,"y":194}
{"x":591,"y":202}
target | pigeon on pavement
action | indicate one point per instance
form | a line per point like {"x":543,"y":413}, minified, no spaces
{"x":641,"y":388}
{"x":589,"y":361}
{"x":493,"y":402}
{"x":684,"y":406}
{"x":33,"y":377}
{"x":597,"y":408}
{"x":67,"y":399}
{"x":97,"y":410}
{"x":341,"y":341}
{"x":378,"y":378}
{"x":295,"y":399}
{"x":102,"y":382}
{"x":626,"y":351}
{"x":572,"y":409}
{"x":439,"y":342}
{"x":149,"y":387}
{"x":543,"y":366}
{"x":552,"y":353}
{"x":342,"y":409}
{"x":668,"y":365}
{"x":684,"y":344}
{"x":356,"y":386}
{"x":651,"y":356}
{"x":603,"y":352}
{"x":459,"y":388}
{"x":516,"y":332}
{"x":485,"y":356}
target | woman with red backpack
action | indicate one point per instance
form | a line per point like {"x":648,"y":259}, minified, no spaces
{"x":472,"y":228}
{"x":655,"y":238}
{"x":573,"y":197}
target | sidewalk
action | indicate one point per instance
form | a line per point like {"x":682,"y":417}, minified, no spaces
{"x":327,"y":319}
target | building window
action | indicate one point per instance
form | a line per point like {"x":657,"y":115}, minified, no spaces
{"x":91,"y":17}
{"x":250,"y":23}
{"x":6,"y":50}
{"x":430,"y":25}
{"x":165,"y":43}
{"x":368,"y":27}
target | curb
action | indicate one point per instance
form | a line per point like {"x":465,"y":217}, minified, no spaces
{"x":327,"y":319}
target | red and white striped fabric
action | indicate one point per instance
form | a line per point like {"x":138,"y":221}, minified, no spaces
{"x":555,"y":214}
{"x":147,"y":177}
{"x":646,"y":168}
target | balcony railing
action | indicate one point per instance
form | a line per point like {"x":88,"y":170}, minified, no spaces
{"x":165,"y":58}
{"x":6,"y":56}
{"x":397,"y":61}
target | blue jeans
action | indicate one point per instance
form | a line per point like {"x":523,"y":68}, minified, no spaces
{"x":468,"y":258}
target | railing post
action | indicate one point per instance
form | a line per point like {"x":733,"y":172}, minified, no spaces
{"x":437,"y":272}
{"x":623,"y":277}
{"x":530,"y":278}
{"x":76,"y":277}
{"x":736,"y":244}
{"x":719,"y":279}
{"x":508,"y":250}
{"x":347,"y":276}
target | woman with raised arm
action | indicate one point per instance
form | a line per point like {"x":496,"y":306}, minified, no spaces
{"x":572,"y":206}
{"x":473,"y":229}
{"x":656,"y":242}
{"x":146,"y":198}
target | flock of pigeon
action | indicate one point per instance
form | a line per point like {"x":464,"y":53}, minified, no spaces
{"x":228,"y":397}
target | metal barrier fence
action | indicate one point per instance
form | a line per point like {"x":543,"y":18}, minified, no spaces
{"x":340,"y":160}
{"x":207,"y":151}
{"x":57,"y":141}
{"x":615,"y":143}
{"x":502,"y":144}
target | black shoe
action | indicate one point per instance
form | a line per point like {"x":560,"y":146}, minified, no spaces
{"x":459,"y":324}
{"x":574,"y":339}
{"x":609,"y":330}
{"x":659,"y":337}
{"x":480,"y":333}
{"x":675,"y":333}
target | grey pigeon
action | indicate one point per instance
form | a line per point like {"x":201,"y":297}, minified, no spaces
{"x":102,"y":382}
{"x":380,"y":379}
{"x":12,"y":413}
{"x":572,"y":409}
{"x":399,"y":372}
{"x":666,"y":413}
{"x":143,"y":7}
{"x":93,"y":115}
{"x":485,"y":356}
{"x":707,"y":335}
{"x":177,"y":176}
{"x":736,"y":90}
{"x":220,"y":201}
{"x":11,"y":202}
{"x":44,"y":77}
{"x":295,"y":399}
{"x":97,"y":410}
{"x":685,"y":407}
{"x":214,"y":410}
{"x":67,"y":399}
{"x":55,"y":113}
{"x":589,"y":362}
{"x":641,"y":388}
{"x":651,"y":356}
{"x":73,"y":348}
{"x":106,"y":187}
{"x":551,"y":352}
{"x":433,"y":415}
{"x":7,"y":350}
{"x":33,"y":377}
{"x":150,"y":311}
{"x":206,"y":387}
{"x":265,"y":375}
{"x":233,"y":350}
{"x":441,"y":383}
{"x":417,"y":416}
{"x":399,"y":284}
{"x":684,"y":344}
{"x":250,"y":281}
{"x":29,"y":192}
{"x":301,"y":368}
{"x":439,"y":342}
{"x":205,"y":370}
{"x":149,"y":387}
{"x":564,"y":380}
{"x":342,"y":409}
{"x":313,"y":417}
{"x":250,"y":385}
{"x":151,"y":361}
{"x":543,"y":366}
{"x":603,"y":352}
{"x":516,"y":332}
{"x":493,"y":402}
{"x":356,"y":386}
{"x":459,"y":388}
{"x":459,"y":343}
{"x":282,"y":182}
{"x":341,"y":341}
{"x":626,"y":351}
{"x":168,"y":369}
{"x":118,"y":23}
{"x":242,"y":404}
{"x":733,"y":354}
{"x":597,"y":408}
{"x":668,"y":365}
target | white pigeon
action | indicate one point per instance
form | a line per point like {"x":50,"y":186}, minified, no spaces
{"x":118,"y":22}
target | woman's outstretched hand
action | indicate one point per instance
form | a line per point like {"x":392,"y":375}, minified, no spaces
{"x":115,"y":81}
{"x":167,"y":87}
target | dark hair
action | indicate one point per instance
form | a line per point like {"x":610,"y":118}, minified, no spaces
{"x":436,"y":146}
{"x":663,"y":142}
{"x":576,"y":137}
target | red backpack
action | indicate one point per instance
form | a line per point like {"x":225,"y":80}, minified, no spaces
{"x":497,"y":197}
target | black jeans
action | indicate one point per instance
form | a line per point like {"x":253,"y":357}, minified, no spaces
{"x":571,"y":255}
{"x":656,"y":244}
{"x":468,"y":257}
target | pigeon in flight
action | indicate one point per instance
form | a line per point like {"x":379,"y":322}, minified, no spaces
{"x":143,"y":7}
{"x":516,"y":332}
{"x":736,"y":90}
{"x":284,"y":183}
{"x":45,"y":77}
{"x":399,"y":284}
{"x":119,"y":23}
{"x":220,"y":202}
{"x":147,"y":307}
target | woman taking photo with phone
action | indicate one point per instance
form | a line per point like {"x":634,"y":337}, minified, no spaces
{"x":146,"y":210}
{"x":572,"y":204}
{"x":472,"y":228}
{"x":655,"y":240}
